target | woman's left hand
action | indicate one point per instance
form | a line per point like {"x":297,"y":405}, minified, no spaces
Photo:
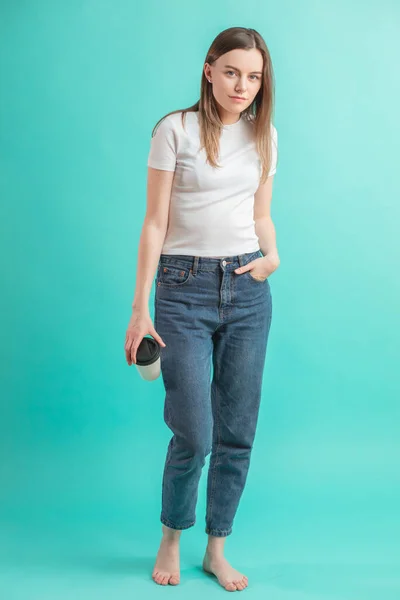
{"x":260,"y":268}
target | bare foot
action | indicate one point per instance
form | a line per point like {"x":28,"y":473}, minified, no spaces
{"x":167,"y":569}
{"x":227,"y":576}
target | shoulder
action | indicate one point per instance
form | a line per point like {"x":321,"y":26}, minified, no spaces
{"x":171,"y":123}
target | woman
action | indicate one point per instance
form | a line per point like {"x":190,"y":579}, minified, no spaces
{"x":209,"y":233}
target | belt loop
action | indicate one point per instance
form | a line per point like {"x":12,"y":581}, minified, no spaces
{"x":195,"y":265}
{"x":241,"y":259}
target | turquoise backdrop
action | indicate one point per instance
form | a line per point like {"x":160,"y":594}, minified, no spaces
{"x":82,"y":437}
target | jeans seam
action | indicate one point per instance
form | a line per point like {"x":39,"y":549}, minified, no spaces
{"x":165,"y":473}
{"x":214,"y":476}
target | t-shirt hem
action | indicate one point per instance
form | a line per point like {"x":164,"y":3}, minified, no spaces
{"x":160,"y":166}
{"x":194,"y":252}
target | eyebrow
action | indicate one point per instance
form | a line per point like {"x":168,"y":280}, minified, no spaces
{"x":236,"y":69}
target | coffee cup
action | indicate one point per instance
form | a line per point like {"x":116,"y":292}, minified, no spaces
{"x":148,"y":361}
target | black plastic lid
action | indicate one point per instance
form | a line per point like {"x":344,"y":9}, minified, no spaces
{"x":148,"y":351}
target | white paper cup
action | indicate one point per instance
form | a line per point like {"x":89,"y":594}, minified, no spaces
{"x":148,"y":361}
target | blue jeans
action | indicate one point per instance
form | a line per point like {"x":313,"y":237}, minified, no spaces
{"x":204,"y":310}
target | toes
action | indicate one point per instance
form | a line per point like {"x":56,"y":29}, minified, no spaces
{"x":230,"y":587}
{"x":158,"y":577}
{"x":242,"y":583}
{"x":163,"y":579}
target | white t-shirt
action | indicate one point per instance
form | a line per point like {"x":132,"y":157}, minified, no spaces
{"x":211,"y":209}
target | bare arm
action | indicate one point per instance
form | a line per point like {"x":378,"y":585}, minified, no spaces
{"x":264,"y":225}
{"x":159,"y":184}
{"x":265,"y":231}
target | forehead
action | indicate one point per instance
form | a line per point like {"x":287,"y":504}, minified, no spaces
{"x":246,"y":61}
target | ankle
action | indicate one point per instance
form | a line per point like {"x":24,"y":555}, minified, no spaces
{"x":214,"y":553}
{"x":215,"y":547}
{"x":171,"y":536}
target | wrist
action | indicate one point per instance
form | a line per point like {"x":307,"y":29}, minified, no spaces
{"x":272,"y":258}
{"x":140,"y":307}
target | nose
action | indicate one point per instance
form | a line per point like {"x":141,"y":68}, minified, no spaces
{"x":241,"y":87}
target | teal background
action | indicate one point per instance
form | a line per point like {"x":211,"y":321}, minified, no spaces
{"x":82,"y":437}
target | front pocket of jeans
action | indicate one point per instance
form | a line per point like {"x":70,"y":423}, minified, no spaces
{"x":254,"y":279}
{"x":173,"y":276}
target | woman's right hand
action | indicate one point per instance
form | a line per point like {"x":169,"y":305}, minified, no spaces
{"x":139,"y":325}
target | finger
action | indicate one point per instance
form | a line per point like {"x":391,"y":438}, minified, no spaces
{"x":157,"y":337}
{"x":133,"y":354}
{"x":135,"y":346}
{"x":127,"y":348}
{"x":129,"y":356}
{"x":127,"y":351}
{"x":244,"y":268}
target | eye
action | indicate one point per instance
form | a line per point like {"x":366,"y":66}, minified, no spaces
{"x":256,"y":76}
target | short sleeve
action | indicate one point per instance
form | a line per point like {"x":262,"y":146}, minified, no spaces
{"x":274,"y":150}
{"x":163,"y":147}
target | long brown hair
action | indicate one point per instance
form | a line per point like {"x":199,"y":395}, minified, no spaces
{"x":260,"y":110}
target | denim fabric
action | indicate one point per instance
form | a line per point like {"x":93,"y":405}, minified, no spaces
{"x":204,"y":311}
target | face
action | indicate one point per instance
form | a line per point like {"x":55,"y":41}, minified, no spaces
{"x":235,"y":73}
